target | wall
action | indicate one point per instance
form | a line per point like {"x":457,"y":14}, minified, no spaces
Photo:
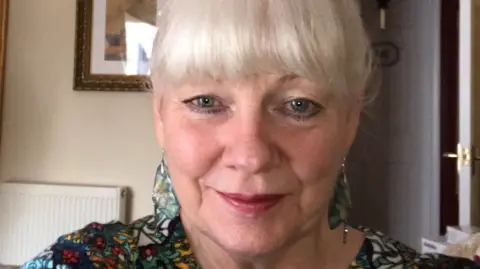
{"x":53,"y":134}
{"x":394,"y":165}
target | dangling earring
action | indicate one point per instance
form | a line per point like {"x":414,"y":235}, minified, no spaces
{"x":164,"y":199}
{"x":340,"y":204}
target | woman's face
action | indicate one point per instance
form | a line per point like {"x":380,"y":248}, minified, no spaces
{"x":254,"y":161}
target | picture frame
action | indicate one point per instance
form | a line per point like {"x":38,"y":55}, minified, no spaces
{"x":4,"y":4}
{"x":110,"y":54}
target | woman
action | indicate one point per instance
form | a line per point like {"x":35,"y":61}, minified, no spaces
{"x":256,"y":106}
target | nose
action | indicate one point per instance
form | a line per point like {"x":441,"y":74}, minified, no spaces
{"x":250,"y":147}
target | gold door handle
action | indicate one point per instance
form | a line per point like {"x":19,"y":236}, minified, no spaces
{"x":465,"y":157}
{"x":450,"y":155}
{"x":455,"y":156}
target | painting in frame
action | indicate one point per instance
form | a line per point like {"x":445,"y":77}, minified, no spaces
{"x":4,"y":4}
{"x":113,"y":44}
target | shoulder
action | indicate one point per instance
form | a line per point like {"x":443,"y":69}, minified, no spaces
{"x":114,"y":245}
{"x":381,"y":251}
{"x":96,"y":242}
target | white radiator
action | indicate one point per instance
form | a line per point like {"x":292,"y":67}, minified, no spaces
{"x":33,"y":216}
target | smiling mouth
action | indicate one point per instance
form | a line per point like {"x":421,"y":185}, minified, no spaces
{"x":251,"y":205}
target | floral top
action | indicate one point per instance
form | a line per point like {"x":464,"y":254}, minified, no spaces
{"x":152,"y":242}
{"x":159,"y":241}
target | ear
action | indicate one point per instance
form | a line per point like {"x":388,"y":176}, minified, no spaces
{"x":157,"y":119}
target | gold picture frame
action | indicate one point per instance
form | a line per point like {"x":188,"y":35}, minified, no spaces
{"x":3,"y":41}
{"x":109,"y":56}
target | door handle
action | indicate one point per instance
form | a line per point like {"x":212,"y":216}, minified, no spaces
{"x":462,"y":155}
{"x":465,"y":157}
{"x":450,"y":155}
{"x":454,"y":156}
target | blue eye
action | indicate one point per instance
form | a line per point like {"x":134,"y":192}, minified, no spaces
{"x":205,"y":104}
{"x":204,"y":101}
{"x":300,"y":105}
{"x":301,"y":108}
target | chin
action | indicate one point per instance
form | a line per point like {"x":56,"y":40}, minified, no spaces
{"x":250,"y":236}
{"x":249,"y":240}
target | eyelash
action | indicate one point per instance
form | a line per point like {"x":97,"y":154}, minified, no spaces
{"x":317,"y":108}
{"x":216,"y":110}
{"x":204,"y":110}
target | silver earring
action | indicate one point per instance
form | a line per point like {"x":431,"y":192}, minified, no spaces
{"x":340,"y":203}
{"x":348,"y":201}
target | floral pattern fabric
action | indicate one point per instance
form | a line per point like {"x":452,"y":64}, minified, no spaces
{"x":153,"y":242}
{"x":159,"y":241}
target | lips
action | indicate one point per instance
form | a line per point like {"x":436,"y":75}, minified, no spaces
{"x":251,"y":205}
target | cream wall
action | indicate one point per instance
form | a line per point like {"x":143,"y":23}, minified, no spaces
{"x":54,"y":134}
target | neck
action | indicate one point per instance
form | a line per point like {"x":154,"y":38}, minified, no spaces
{"x":318,"y":247}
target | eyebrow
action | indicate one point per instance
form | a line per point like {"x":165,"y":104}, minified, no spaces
{"x":286,"y":78}
{"x":283,"y":80}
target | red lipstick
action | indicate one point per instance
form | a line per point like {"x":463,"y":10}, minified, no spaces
{"x":251,"y":204}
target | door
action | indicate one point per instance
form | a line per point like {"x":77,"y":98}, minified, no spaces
{"x":467,"y":155}
{"x":472,"y":187}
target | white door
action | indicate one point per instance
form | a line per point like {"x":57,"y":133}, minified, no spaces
{"x":469,"y":85}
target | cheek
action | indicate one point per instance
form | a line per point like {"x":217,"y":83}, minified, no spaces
{"x":317,"y":162}
{"x":190,"y":153}
{"x":189,"y":145}
{"x":319,"y":167}
{"x":318,"y":157}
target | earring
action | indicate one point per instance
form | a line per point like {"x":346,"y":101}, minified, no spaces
{"x":340,"y":204}
{"x":164,"y":199}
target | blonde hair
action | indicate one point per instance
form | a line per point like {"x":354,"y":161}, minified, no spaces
{"x":321,"y":40}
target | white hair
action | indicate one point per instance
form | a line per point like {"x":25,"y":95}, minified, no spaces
{"x":322,"y":40}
